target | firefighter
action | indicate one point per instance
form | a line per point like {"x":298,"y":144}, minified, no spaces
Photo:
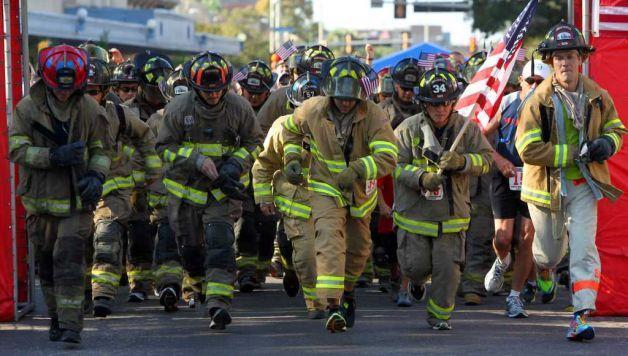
{"x":168,"y":271}
{"x":352,"y":145}
{"x":568,"y":129}
{"x":309,"y":61}
{"x":211,"y":138}
{"x":125,"y":81}
{"x":58,"y":138}
{"x":275,"y":194}
{"x":431,"y":208}
{"x":254,"y":231}
{"x":129,"y":133}
{"x":151,"y":69}
{"x":405,"y":76}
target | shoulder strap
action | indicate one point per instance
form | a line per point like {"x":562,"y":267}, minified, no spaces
{"x":122,"y":119}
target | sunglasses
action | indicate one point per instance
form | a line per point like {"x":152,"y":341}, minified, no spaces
{"x":443,"y":103}
{"x":127,"y":89}
{"x":93,"y":92}
{"x":406,"y":89}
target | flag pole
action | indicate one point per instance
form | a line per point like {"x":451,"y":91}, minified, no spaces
{"x":463,"y":129}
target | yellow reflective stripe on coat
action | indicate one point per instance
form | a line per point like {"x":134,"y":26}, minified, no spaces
{"x":208,"y":149}
{"x":561,"y":153}
{"x":365,"y":208}
{"x":404,"y":167}
{"x":115,"y":183}
{"x":18,"y":141}
{"x":104,"y":277}
{"x":290,"y":148}
{"x":334,"y":166}
{"x":262,"y":189}
{"x":292,"y":208}
{"x":527,"y":138}
{"x":370,"y":167}
{"x":95,"y":144}
{"x":44,"y":205}
{"x":241,"y":153}
{"x":290,"y":125}
{"x":534,"y":195}
{"x":455,"y":225}
{"x":616,"y":140}
{"x":326,"y":189}
{"x":213,"y":288}
{"x":152,"y":162}
{"x":415,"y":226}
{"x":128,"y":151}
{"x":182,"y":192}
{"x":139,"y":176}
{"x":383,"y":147}
{"x":157,"y":200}
{"x":612,"y":124}
{"x":437,"y":311}
{"x":330,"y":282}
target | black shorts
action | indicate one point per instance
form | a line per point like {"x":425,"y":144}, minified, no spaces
{"x":506,"y":203}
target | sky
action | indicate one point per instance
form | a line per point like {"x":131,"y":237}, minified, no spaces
{"x":358,"y":14}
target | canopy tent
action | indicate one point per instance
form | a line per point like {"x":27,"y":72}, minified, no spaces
{"x":414,"y":52}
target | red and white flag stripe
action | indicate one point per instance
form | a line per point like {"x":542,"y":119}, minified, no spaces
{"x":610,"y":16}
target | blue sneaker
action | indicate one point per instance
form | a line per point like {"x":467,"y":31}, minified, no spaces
{"x":579,"y":330}
{"x":403,"y":299}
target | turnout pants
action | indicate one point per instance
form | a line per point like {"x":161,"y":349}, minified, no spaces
{"x":575,"y":225}
{"x":441,"y":257}
{"x":205,"y":238}
{"x":110,"y":220}
{"x":168,"y":271}
{"x":141,"y":234}
{"x":59,"y":245}
{"x":342,"y":244}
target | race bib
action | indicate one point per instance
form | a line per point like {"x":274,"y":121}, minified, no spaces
{"x":515,"y":182}
{"x":434,"y":195}
{"x":371,"y":186}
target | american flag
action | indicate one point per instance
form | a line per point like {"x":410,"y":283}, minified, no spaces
{"x":483,"y":95}
{"x":426,"y":60}
{"x":521,"y":54}
{"x":610,"y":17}
{"x":370,"y":82}
{"x":241,"y":74}
{"x":286,"y":50}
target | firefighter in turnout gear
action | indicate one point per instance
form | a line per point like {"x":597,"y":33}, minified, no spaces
{"x":167,"y":270}
{"x":129,"y":134}
{"x":352,"y":145}
{"x":568,"y":130}
{"x":254,"y":231}
{"x":125,"y":81}
{"x":432,"y":208}
{"x":151,"y":70}
{"x":310,"y":61}
{"x":405,"y":76}
{"x":211,"y":138}
{"x":274,"y":193}
{"x":58,"y":139}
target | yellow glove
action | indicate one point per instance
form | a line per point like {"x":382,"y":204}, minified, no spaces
{"x":431,"y":181}
{"x":346,"y":178}
{"x":292,"y":170}
{"x":451,"y":161}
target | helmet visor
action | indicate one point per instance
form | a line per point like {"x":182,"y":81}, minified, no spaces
{"x":344,"y":88}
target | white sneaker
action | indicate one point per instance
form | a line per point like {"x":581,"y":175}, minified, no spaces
{"x":494,"y":279}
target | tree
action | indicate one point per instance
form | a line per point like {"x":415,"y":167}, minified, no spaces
{"x":298,"y":15}
{"x":492,"y":16}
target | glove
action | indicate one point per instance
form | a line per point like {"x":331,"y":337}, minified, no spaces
{"x":206,"y":166}
{"x":451,"y":161}
{"x":292,"y":171}
{"x":90,"y":188}
{"x":600,"y":149}
{"x":231,"y":187}
{"x":232,"y":169}
{"x":431,"y":181}
{"x":346,"y":178}
{"x":68,"y":155}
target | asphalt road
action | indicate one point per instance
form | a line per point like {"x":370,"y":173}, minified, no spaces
{"x":269,"y":322}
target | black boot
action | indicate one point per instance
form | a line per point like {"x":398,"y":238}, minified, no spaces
{"x":71,"y":337}
{"x":220,"y":318}
{"x":54,"y":333}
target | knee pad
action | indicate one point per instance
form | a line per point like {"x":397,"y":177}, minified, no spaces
{"x":141,"y":241}
{"x":193,"y":260}
{"x":166,"y":246}
{"x":219,"y":239}
{"x":108,"y":242}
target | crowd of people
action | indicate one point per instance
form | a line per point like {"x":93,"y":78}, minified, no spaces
{"x":197,"y":180}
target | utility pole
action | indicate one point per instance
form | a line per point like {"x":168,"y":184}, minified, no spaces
{"x":274,"y":23}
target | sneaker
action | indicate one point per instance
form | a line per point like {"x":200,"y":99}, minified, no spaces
{"x":547,"y":286}
{"x":169,"y":299}
{"x":71,"y":337}
{"x":529,"y":293}
{"x":579,"y":330}
{"x":494,"y":279}
{"x":442,"y":325}
{"x":220,"y":318}
{"x":514,"y":308}
{"x":472,"y":299}
{"x":102,"y":307}
{"x":336,"y":322}
{"x":137,"y":297}
{"x":315,"y":314}
{"x":54,"y":333}
{"x":192,"y":303}
{"x":417,"y":292}
{"x":403,"y":299}
{"x":347,"y":308}
{"x":291,"y":283}
{"x":246,"y":284}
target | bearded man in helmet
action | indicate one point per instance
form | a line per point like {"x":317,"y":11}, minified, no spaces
{"x":568,"y":129}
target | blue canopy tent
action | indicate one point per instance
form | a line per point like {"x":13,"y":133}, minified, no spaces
{"x":413,"y":52}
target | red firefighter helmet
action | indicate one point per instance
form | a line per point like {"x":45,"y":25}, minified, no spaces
{"x":63,"y":67}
